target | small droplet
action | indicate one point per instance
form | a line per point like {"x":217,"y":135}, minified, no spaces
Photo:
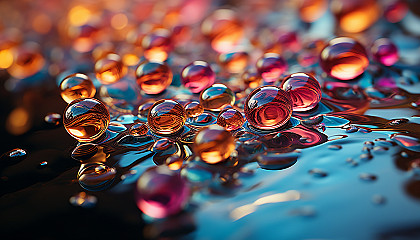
{"x":83,"y":200}
{"x":378,"y":199}
{"x":319,"y":173}
{"x":336,"y":137}
{"x":43,"y":164}
{"x":205,"y":119}
{"x":352,"y":129}
{"x":409,"y":142}
{"x":335,"y":147}
{"x":116,"y":127}
{"x":378,"y":149}
{"x":399,"y":121}
{"x":365,"y":156}
{"x":277,"y":161}
{"x":166,"y":117}
{"x":53,"y":119}
{"x":404,"y":155}
{"x":365,"y":130}
{"x":194,"y":109}
{"x":312,"y":121}
{"x":366,"y":150}
{"x":368,"y":177}
{"x":369,"y":144}
{"x":95,"y":176}
{"x":13,"y":156}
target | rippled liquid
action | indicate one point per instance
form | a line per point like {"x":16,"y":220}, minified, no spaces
{"x":153,"y":77}
{"x":385,"y":51}
{"x":271,"y":66}
{"x":76,"y":86}
{"x":216,"y":97}
{"x":357,"y":15}
{"x":304,"y":90}
{"x":86,"y":119}
{"x":197,"y":76}
{"x":230,"y":119}
{"x":234,"y":62}
{"x":213,"y":144}
{"x":194,"y":109}
{"x":157,"y":45}
{"x":110,"y":69}
{"x":268,"y":107}
{"x":344,"y":58}
{"x":166,"y":117}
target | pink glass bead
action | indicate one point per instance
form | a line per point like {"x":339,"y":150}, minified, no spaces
{"x":271,"y":66}
{"x":231,"y":119}
{"x":197,"y":76}
{"x":268,"y":107}
{"x":161,"y":192}
{"x":344,"y":58}
{"x":166,"y":117}
{"x":304,"y":90}
{"x":385,"y":51}
{"x":395,"y":10}
{"x":153,"y":77}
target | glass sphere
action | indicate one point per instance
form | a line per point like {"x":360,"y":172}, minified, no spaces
{"x":76,"y":86}
{"x":144,"y":109}
{"x":234,"y":62}
{"x":304,"y":90}
{"x":96,"y":176}
{"x":344,"y":58}
{"x":311,"y":10}
{"x":357,"y":15}
{"x":271,"y":66}
{"x":27,"y":61}
{"x":153,"y":77}
{"x":157,"y":45}
{"x":385,"y":51}
{"x":161,"y":192}
{"x":166,"y":117}
{"x":194,"y":109}
{"x":231,"y":119}
{"x":268,"y":107}
{"x":216,"y":97}
{"x":197,"y":76}
{"x":213,"y":144}
{"x":251,"y":79}
{"x":86,"y":119}
{"x":110,"y":69}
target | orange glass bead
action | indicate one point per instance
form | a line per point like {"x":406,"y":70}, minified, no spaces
{"x":166,"y":117}
{"x":231,"y":119}
{"x":110,"y":69}
{"x":357,"y":15}
{"x":251,"y":79}
{"x":138,"y":129}
{"x":76,"y":86}
{"x":234,"y":62}
{"x":27,"y":61}
{"x":194,"y":109}
{"x":157,"y":45}
{"x":153,"y":77}
{"x":311,"y":10}
{"x":216,"y":97}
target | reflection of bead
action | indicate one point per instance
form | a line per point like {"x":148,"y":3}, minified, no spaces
{"x":197,"y":76}
{"x":344,"y":58}
{"x":271,"y":66}
{"x":166,"y":117}
{"x":268,"y":107}
{"x":194,"y":109}
{"x":153,"y":77}
{"x":216,"y":97}
{"x":76,"y":86}
{"x":86,"y":119}
{"x":304,"y":90}
{"x":213,"y":144}
{"x":138,"y":129}
{"x":110,"y":69}
{"x":230,"y":119}
{"x":385,"y":51}
{"x":161,"y":192}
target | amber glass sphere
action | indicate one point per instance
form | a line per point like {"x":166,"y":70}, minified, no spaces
{"x":304,"y":90}
{"x":194,"y":109}
{"x":234,"y":62}
{"x":344,"y":58}
{"x":166,"y":117}
{"x":86,"y":119}
{"x":268,"y":107}
{"x":153,"y":77}
{"x":271,"y":66}
{"x":157,"y":45}
{"x":27,"y":61}
{"x":216,"y":97}
{"x":251,"y":79}
{"x":213,"y":144}
{"x":76,"y":86}
{"x":311,"y":10}
{"x":357,"y":15}
{"x":230,"y":119}
{"x":110,"y":69}
{"x":197,"y":76}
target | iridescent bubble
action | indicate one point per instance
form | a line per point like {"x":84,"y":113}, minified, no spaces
{"x":385,"y":51}
{"x":153,"y":77}
{"x":268,"y":107}
{"x":194,"y":109}
{"x":86,"y":119}
{"x":197,"y":76}
{"x":216,"y":97}
{"x":304,"y":90}
{"x":76,"y":86}
{"x":110,"y":69}
{"x":95,"y":176}
{"x":166,"y":117}
{"x":271,"y":66}
{"x":230,"y":119}
{"x":161,"y":192}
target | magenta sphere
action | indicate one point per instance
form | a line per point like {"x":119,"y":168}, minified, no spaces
{"x":271,"y":66}
{"x":197,"y":76}
{"x":385,"y":51}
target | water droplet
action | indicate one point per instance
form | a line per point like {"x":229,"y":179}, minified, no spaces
{"x":136,"y":141}
{"x":336,"y":137}
{"x":53,"y":119}
{"x":365,"y":156}
{"x":368,"y":177}
{"x":164,"y":148}
{"x":312,"y":121}
{"x":319,"y":173}
{"x":95,"y":176}
{"x":83,"y":200}
{"x":116,"y":127}
{"x":43,"y":164}
{"x":369,"y":144}
{"x":384,"y":142}
{"x":404,"y":155}
{"x":409,"y":142}
{"x":352,"y":129}
{"x":13,"y":156}
{"x":399,"y":121}
{"x":379,"y":149}
{"x":277,"y":160}
{"x":335,"y":147}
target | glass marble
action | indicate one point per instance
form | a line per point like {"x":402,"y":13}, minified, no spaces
{"x":164,"y":148}
{"x":166,"y":117}
{"x":76,"y":86}
{"x":385,"y":51}
{"x":157,"y":45}
{"x":144,"y":109}
{"x":153,"y":77}
{"x":138,"y":129}
{"x":271,"y":66}
{"x":197,"y":76}
{"x":355,"y":16}
{"x":86,"y":119}
{"x":27,"y":61}
{"x":251,"y":79}
{"x":234,"y":62}
{"x":230,"y":119}
{"x":194,"y":109}
{"x":161,"y":192}
{"x":268,"y":107}
{"x":311,"y":10}
{"x":96,"y":176}
{"x":344,"y":58}
{"x":174,"y":162}
{"x":304,"y":90}
{"x":395,"y":10}
{"x":213,"y":144}
{"x":110,"y":69}
{"x":216,"y":97}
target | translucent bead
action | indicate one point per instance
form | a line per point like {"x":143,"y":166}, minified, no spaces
{"x":311,"y":10}
{"x":166,"y":117}
{"x":161,"y":192}
{"x":271,"y":66}
{"x":395,"y":10}
{"x":153,"y":77}
{"x":138,"y":129}
{"x":157,"y":45}
{"x":385,"y":51}
{"x":96,"y":176}
{"x":355,"y":16}
{"x":164,"y":148}
{"x":304,"y":90}
{"x":110,"y":69}
{"x":144,"y":110}
{"x":216,"y":97}
{"x":231,"y":119}
{"x":86,"y":119}
{"x":268,"y":107}
{"x":344,"y":58}
{"x":197,"y":76}
{"x":76,"y":86}
{"x":194,"y":109}
{"x":27,"y":61}
{"x":234,"y":62}
{"x":251,"y":79}
{"x":213,"y":144}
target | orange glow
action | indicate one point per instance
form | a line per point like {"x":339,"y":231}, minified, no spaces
{"x":357,"y":21}
{"x":119,"y":21}
{"x":18,"y":121}
{"x":157,"y":54}
{"x":79,"y":16}
{"x":311,"y":10}
{"x":6,"y":58}
{"x":42,"y":23}
{"x":130,"y":59}
{"x":83,"y":44}
{"x":357,"y":15}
